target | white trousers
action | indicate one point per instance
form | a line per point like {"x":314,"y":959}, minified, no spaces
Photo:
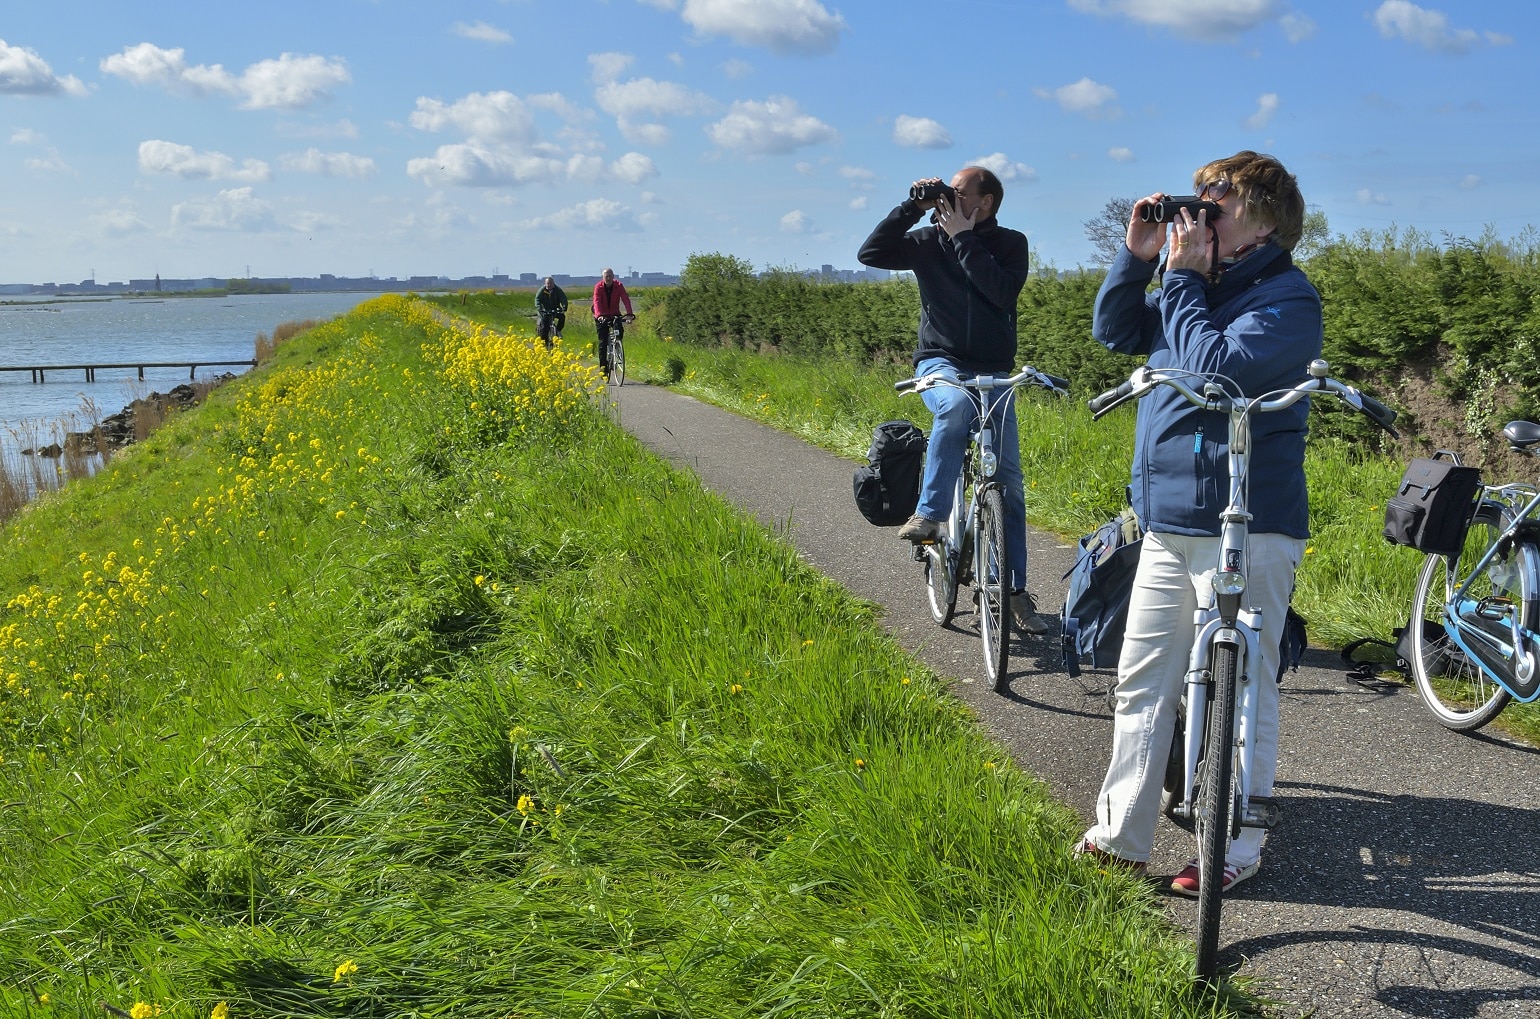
{"x":1173,"y":581}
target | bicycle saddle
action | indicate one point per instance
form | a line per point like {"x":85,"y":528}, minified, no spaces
{"x":1521,"y":435}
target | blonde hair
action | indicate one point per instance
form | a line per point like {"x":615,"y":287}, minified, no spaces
{"x":1269,"y":192}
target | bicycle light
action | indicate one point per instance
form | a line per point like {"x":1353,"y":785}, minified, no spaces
{"x":989,"y":462}
{"x":1228,"y":583}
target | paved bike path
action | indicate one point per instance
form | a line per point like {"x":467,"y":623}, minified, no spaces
{"x":1405,"y":878}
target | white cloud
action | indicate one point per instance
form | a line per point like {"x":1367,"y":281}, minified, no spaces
{"x":1297,"y":27}
{"x":24,"y":73}
{"x":1208,"y":20}
{"x":858,"y":203}
{"x":119,"y":222}
{"x":608,"y":66}
{"x":1428,"y":29}
{"x":474,"y":165}
{"x":1120,"y":154}
{"x":1005,"y":168}
{"x":633,"y":168}
{"x":314,"y":222}
{"x":644,"y":97}
{"x":236,"y":209}
{"x":51,"y":164}
{"x":781,"y":26}
{"x":1470,"y":181}
{"x":1365,"y":196}
{"x":1267,"y":105}
{"x":156,"y":156}
{"x":599,"y":214}
{"x":289,"y":82}
{"x":492,"y":117}
{"x":920,"y":133}
{"x":858,"y":174}
{"x":737,"y":69}
{"x":773,"y":127}
{"x":796,"y":222}
{"x":1084,"y":96}
{"x":480,"y":31}
{"x":329,"y":164}
{"x":26,"y":136}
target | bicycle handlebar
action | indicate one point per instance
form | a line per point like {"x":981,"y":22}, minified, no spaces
{"x":1215,"y":396}
{"x":1027,"y":376}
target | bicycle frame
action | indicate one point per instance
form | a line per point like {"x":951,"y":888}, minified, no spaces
{"x":1513,"y":664}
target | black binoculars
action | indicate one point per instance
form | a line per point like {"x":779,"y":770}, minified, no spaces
{"x":1164,"y":211}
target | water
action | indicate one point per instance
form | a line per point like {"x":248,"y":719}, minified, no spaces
{"x":128,"y":331}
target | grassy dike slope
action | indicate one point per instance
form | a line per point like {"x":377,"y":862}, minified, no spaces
{"x":397,"y":681}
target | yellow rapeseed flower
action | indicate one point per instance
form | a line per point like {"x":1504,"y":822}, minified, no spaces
{"x":345,"y":969}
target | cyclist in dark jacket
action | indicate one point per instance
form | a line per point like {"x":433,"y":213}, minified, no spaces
{"x":970,"y":270}
{"x":1230,"y":301}
{"x":551,"y":305}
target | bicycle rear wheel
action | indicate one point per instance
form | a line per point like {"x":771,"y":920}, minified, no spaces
{"x":992,"y":585}
{"x":940,"y":583}
{"x":1216,"y":808}
{"x":1458,"y":693}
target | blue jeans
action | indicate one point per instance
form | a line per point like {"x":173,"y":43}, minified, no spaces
{"x":955,"y":414}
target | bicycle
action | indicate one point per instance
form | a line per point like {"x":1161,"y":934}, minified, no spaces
{"x":1475,"y":621}
{"x":971,"y":549}
{"x":1210,"y":793}
{"x":612,"y":348}
{"x":550,"y":322}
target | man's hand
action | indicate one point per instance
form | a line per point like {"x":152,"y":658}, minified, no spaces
{"x":951,"y":220}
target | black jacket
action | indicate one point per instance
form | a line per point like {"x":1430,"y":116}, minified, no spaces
{"x":968,"y":287}
{"x":551,"y":302}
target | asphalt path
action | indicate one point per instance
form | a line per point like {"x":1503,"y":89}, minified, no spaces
{"x":1405,"y":878}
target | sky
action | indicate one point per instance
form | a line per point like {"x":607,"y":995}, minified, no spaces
{"x":384,"y":138}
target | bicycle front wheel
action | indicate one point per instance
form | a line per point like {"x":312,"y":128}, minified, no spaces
{"x":940,"y":582}
{"x":992,"y":584}
{"x":1216,"y":808}
{"x":1460,"y":695}
{"x":618,"y":361}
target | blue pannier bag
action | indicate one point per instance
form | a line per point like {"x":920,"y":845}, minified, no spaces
{"x":1096,"y":599}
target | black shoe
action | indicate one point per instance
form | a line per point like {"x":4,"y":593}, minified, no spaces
{"x":1024,"y":614}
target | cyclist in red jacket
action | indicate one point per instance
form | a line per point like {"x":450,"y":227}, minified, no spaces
{"x":609,"y":295}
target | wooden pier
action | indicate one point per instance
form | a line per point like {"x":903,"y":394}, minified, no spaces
{"x":40,"y":372}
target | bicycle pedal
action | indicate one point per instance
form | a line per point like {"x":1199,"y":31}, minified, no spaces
{"x":1262,"y":812}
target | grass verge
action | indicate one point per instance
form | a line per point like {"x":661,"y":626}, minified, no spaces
{"x":396,"y":681}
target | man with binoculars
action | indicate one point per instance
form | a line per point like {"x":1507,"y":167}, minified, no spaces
{"x":970,"y":270}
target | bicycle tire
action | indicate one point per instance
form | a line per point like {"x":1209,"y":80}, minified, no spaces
{"x":1452,"y":686}
{"x":940,"y":583}
{"x":618,"y":360}
{"x":992,"y":586}
{"x":1216,"y":807}
{"x":1176,"y":766}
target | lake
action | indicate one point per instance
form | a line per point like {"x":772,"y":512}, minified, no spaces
{"x":130,"y":330}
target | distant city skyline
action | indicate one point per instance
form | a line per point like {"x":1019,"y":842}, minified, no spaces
{"x":331,"y":282}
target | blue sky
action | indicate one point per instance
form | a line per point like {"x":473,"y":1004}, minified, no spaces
{"x":398,"y":139}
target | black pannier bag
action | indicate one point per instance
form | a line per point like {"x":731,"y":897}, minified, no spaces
{"x":1433,"y":504}
{"x":888,"y":488}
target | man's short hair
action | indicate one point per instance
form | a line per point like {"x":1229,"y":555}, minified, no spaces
{"x":988,"y":184}
{"x":1269,"y":192}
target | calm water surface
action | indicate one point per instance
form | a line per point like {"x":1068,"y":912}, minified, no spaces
{"x":128,"y":331}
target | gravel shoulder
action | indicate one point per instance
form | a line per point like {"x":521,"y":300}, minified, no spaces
{"x":1405,"y":878}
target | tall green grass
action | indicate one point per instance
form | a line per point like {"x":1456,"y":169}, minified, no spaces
{"x":376,"y":687}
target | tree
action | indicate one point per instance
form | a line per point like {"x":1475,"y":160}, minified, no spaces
{"x":1108,"y":228}
{"x":1315,"y":236}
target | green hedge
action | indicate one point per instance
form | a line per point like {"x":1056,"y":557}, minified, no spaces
{"x":1447,"y":333}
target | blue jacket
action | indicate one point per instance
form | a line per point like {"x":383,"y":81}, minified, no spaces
{"x":968,"y":286}
{"x":1260,"y":327}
